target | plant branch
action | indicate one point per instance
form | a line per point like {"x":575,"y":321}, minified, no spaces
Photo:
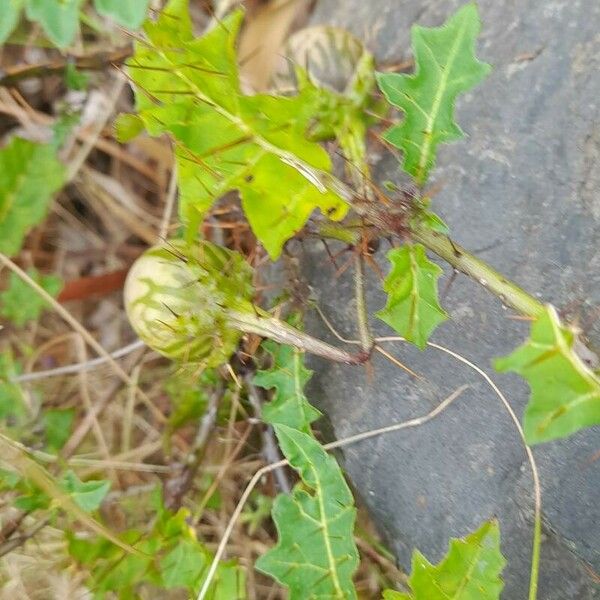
{"x":281,"y":332}
{"x":366,"y":339}
{"x":465,"y":262}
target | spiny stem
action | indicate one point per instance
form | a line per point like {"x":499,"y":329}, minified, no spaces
{"x":366,"y":339}
{"x":465,"y":262}
{"x":281,"y":332}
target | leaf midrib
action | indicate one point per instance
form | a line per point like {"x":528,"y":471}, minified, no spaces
{"x":437,"y":101}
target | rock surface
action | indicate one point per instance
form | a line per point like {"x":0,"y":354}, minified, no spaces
{"x":522,"y":189}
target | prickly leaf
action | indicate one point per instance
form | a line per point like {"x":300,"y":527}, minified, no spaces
{"x":565,"y":393}
{"x":445,"y":66}
{"x":412,"y":307}
{"x":469,"y":571}
{"x":288,"y":376}
{"x":226,"y":140}
{"x":315,"y":556}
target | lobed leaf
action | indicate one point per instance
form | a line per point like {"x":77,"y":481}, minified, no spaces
{"x":412,"y":307}
{"x":469,"y":571}
{"x":288,"y":375}
{"x":31,"y":174}
{"x":445,"y":66}
{"x":565,"y":393}
{"x":315,"y":556}
{"x":226,"y":140}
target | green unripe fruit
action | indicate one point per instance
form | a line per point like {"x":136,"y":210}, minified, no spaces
{"x":193,"y":304}
{"x":177,"y":297}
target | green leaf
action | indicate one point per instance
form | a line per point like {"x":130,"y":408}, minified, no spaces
{"x":20,"y":304}
{"x":430,"y":220}
{"x":12,"y":403}
{"x":87,"y":495}
{"x":127,"y":127}
{"x":58,"y":18}
{"x":565,"y":393}
{"x":469,"y":571}
{"x":189,"y":395}
{"x":63,"y":127}
{"x":75,"y":79}
{"x":256,"y":144}
{"x":172,"y":558}
{"x":288,"y":376}
{"x":31,"y":174}
{"x":315,"y":556}
{"x":257,"y":511}
{"x":10,"y":11}
{"x":412,"y":307}
{"x":183,"y":566}
{"x":129,"y":13}
{"x":57,"y":427}
{"x":445,"y":66}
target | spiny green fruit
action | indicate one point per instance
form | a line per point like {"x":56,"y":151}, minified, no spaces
{"x":177,"y":295}
{"x":192,"y":303}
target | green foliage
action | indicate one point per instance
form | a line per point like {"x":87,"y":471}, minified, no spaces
{"x":256,"y":512}
{"x":469,"y":571}
{"x":129,"y":13}
{"x":565,"y":393}
{"x":171,"y":558}
{"x":315,"y":555}
{"x":87,"y":494}
{"x":63,"y":127}
{"x":31,"y":174}
{"x":57,"y":427}
{"x":74,"y":79}
{"x":445,"y":66}
{"x":226,"y":140}
{"x":288,"y":375}
{"x":10,"y":11}
{"x":189,"y":396}
{"x":11,"y":396}
{"x":412,"y":308}
{"x":127,"y":127}
{"x":342,"y":69}
{"x":60,"y":18}
{"x":20,"y":304}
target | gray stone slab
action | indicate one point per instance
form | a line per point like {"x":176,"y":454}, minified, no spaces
{"x":524,"y":190}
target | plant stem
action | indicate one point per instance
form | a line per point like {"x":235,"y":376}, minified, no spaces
{"x":462,"y":260}
{"x":281,"y":332}
{"x":366,"y":339}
